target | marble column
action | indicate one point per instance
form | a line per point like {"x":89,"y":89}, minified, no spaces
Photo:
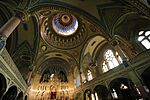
{"x":8,"y":28}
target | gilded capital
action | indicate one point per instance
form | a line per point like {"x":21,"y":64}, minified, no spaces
{"x":114,"y":42}
{"x":22,"y":15}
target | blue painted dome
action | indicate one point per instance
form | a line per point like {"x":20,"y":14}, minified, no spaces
{"x":65,"y":24}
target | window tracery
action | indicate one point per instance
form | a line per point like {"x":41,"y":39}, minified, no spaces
{"x":89,"y":75}
{"x":144,"y":38}
{"x":111,"y":60}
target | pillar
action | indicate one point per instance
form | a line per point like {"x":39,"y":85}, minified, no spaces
{"x":30,"y":73}
{"x":8,"y":28}
{"x":117,"y":48}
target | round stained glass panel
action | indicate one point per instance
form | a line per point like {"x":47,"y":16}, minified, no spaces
{"x":65,"y":24}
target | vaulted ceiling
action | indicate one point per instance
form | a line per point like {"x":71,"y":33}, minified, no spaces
{"x":35,"y":42}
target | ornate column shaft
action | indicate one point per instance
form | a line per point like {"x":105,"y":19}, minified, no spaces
{"x":8,"y":28}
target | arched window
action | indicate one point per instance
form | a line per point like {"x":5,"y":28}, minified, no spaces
{"x":123,"y":86}
{"x":144,"y":38}
{"x":114,"y":94}
{"x":89,"y":75}
{"x":96,"y":96}
{"x":111,"y":60}
{"x":105,"y":67}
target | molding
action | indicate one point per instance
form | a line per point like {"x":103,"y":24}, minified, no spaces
{"x":12,"y":71}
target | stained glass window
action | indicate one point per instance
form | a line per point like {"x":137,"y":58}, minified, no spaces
{"x":65,"y":24}
{"x":144,"y":38}
{"x":111,"y":60}
{"x":89,"y":75}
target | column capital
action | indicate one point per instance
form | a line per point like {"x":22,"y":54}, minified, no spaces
{"x":3,"y":39}
{"x":22,"y":15}
{"x":114,"y":42}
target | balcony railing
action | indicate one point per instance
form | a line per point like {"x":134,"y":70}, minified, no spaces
{"x":9,"y":67}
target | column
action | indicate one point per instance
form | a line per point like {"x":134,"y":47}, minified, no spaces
{"x":8,"y":28}
{"x":30,"y":74}
{"x":136,"y":79}
{"x":117,"y":48}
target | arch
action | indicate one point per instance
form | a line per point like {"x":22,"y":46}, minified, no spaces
{"x":92,"y":44}
{"x":123,"y":89}
{"x":128,"y":27}
{"x":56,"y":66}
{"x":56,"y":54}
{"x":65,"y":6}
{"x":10,"y":94}
{"x":102,"y":92}
{"x":87,"y":94}
{"x":90,"y":48}
{"x":20,"y":96}
{"x":3,"y":84}
{"x":124,"y":18}
{"x":145,"y":76}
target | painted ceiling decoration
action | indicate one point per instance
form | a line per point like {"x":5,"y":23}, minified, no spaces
{"x":63,"y":29}
{"x":24,"y":55}
{"x":65,"y":24}
{"x":68,"y":39}
{"x":51,"y":18}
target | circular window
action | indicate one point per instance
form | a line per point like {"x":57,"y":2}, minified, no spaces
{"x":65,"y":24}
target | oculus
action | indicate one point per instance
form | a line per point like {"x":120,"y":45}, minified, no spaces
{"x":65,"y":24}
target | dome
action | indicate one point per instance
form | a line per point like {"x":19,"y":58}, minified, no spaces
{"x":64,"y":30}
{"x":65,"y":24}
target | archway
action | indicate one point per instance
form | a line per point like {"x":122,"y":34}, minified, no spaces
{"x":145,"y":76}
{"x":88,"y":95}
{"x":123,"y":89}
{"x":3,"y":85}
{"x":101,"y":92}
{"x":10,"y":94}
{"x":20,"y":96}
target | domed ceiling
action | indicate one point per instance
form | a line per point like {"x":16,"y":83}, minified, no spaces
{"x":63,"y":30}
{"x":65,"y":24}
{"x":65,"y":33}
